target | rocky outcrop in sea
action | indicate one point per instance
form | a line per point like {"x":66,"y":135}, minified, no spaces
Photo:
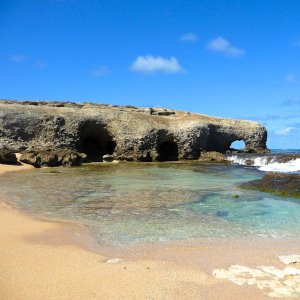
{"x":281,"y":184}
{"x":127,"y":133}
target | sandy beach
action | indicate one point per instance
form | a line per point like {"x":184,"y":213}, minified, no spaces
{"x":42,"y":259}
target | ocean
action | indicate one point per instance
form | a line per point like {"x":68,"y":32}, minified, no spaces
{"x":139,"y":203}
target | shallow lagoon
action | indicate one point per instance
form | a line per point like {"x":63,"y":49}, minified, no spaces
{"x":127,"y":204}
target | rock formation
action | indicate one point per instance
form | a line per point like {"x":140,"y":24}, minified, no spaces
{"x":7,"y":157}
{"x":212,"y":156}
{"x":55,"y":158}
{"x":282,"y":184}
{"x":126,"y":132}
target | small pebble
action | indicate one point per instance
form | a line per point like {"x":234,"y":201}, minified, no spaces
{"x":113,"y":261}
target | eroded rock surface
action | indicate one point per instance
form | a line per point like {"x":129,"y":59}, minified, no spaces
{"x":212,"y":156}
{"x":52,"y":158}
{"x":126,"y":132}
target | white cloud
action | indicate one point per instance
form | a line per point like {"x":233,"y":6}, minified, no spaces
{"x":189,"y":37}
{"x":151,"y":64}
{"x":284,"y":131}
{"x":102,"y":71}
{"x":18,"y":58}
{"x":290,"y":78}
{"x":222,"y":45}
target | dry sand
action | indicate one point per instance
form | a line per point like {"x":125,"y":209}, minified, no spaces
{"x":46,"y":260}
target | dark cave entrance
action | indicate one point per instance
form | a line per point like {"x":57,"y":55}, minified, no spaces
{"x":95,"y":142}
{"x":92,"y":148}
{"x":95,"y":148}
{"x":167,"y":151}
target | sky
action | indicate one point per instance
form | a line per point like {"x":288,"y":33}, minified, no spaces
{"x":225,"y":58}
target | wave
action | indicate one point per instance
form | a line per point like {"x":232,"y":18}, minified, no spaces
{"x":269,"y":163}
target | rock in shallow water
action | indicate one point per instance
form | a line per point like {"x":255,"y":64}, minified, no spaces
{"x":278,"y":183}
{"x":213,"y":156}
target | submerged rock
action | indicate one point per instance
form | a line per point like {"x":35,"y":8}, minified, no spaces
{"x":278,"y":183}
{"x":52,"y":158}
{"x":7,"y":157}
{"x":286,"y":158}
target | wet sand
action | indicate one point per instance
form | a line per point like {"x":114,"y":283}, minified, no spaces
{"x":41,"y":259}
{"x":13,"y":168}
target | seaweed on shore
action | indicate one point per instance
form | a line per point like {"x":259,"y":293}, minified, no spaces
{"x":287,"y":185}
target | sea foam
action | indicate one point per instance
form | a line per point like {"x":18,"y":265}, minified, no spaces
{"x":268,"y":163}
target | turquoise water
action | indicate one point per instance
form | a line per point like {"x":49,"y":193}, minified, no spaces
{"x":139,"y":203}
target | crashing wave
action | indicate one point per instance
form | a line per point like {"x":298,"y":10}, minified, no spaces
{"x":280,"y":164}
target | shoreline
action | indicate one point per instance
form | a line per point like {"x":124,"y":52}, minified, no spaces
{"x":41,"y":258}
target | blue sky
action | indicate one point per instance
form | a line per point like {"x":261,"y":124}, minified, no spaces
{"x":235,"y":59}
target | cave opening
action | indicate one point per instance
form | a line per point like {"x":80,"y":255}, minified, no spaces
{"x":167,"y":151}
{"x":95,"y":148}
{"x":95,"y":142}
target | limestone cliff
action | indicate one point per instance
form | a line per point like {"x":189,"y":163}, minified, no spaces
{"x":129,"y":133}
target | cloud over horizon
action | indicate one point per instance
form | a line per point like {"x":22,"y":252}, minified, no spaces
{"x":223,"y":46}
{"x":189,"y":37}
{"x":152,"y":64}
{"x":284,"y":131}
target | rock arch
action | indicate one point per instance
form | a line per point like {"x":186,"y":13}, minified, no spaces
{"x":95,"y":141}
{"x":238,"y":145}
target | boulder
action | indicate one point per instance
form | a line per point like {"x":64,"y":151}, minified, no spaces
{"x":249,"y":162}
{"x":52,"y":158}
{"x":212,"y":156}
{"x":69,"y":158}
{"x":108,"y":158}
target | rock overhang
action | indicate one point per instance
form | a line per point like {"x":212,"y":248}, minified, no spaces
{"x":127,"y":132}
